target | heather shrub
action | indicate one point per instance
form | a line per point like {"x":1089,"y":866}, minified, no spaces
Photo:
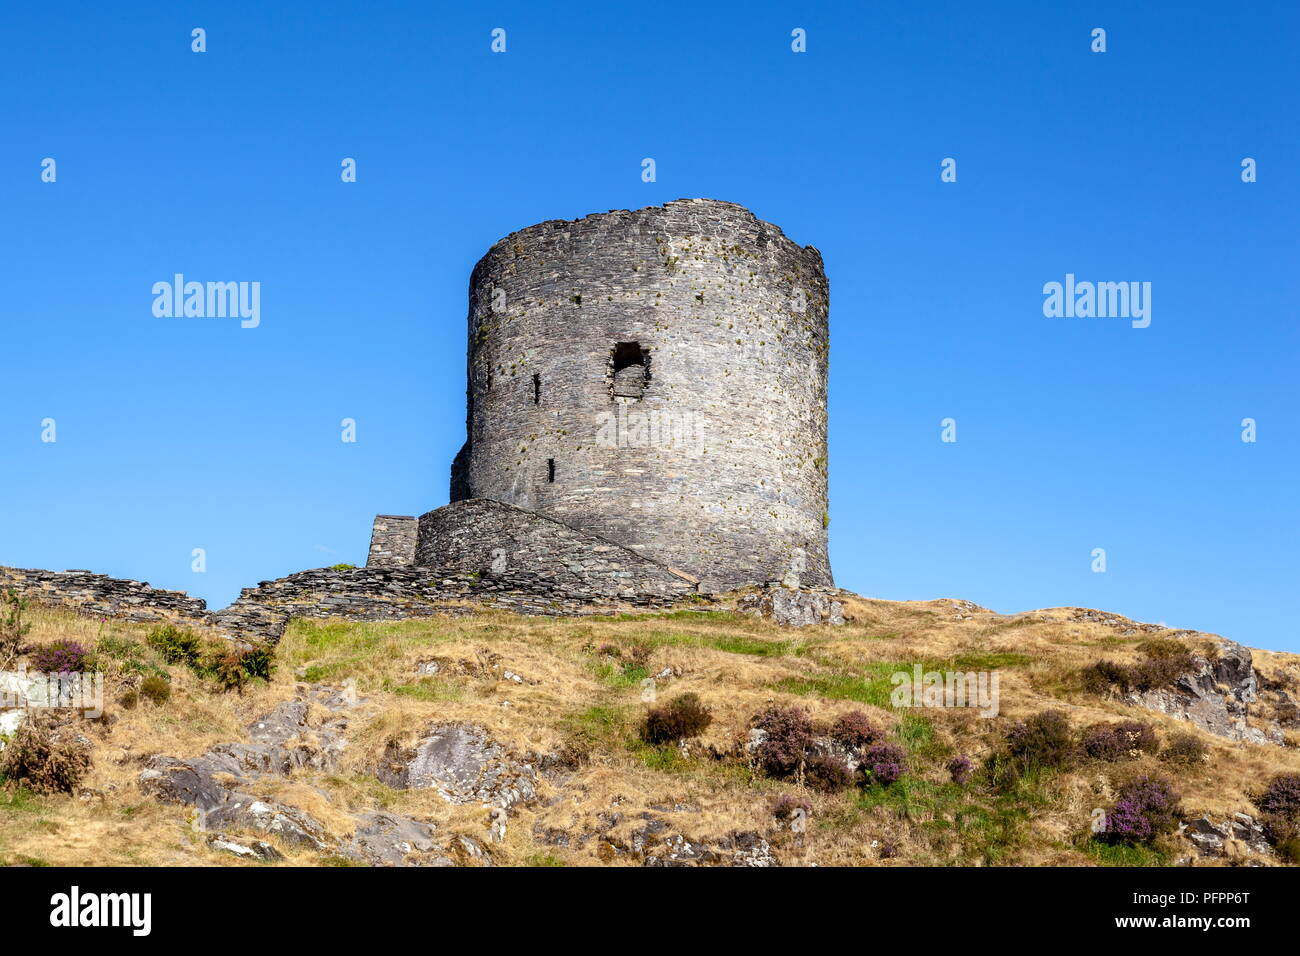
{"x":1145,"y":808}
{"x":679,"y":719}
{"x":1281,"y":796}
{"x":827,"y":773}
{"x":155,"y":689}
{"x":960,"y":768}
{"x":1044,"y":740}
{"x":638,"y":656}
{"x":1279,"y":806}
{"x":785,"y":806}
{"x":1165,"y":661}
{"x":854,"y":729}
{"x":788,"y":733}
{"x":1160,"y":672}
{"x":1162,"y":648}
{"x":176,"y":646}
{"x":1100,"y":677}
{"x":884,"y":763}
{"x":44,"y":757}
{"x":1120,"y":741}
{"x":61,"y":656}
{"x":1185,"y":750}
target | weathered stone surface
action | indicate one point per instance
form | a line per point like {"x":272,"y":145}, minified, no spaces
{"x":656,"y":377}
{"x":392,"y":541}
{"x":793,"y":608}
{"x":283,"y":740}
{"x":389,"y":839}
{"x":1217,"y":839}
{"x":249,"y":850}
{"x":463,"y":764}
{"x":221,"y":806}
{"x":98,"y":594}
{"x":1215,"y":696}
{"x":488,"y":537}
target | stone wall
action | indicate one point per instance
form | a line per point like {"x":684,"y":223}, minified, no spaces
{"x":392,"y":541}
{"x":479,"y":534}
{"x":97,"y":594}
{"x":718,"y":323}
{"x":392,"y":593}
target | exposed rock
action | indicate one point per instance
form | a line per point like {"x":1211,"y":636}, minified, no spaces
{"x":389,"y":839}
{"x":222,"y":807}
{"x":1214,"y":696}
{"x":463,"y":764}
{"x":253,"y":850}
{"x":1216,"y":839}
{"x":281,"y":741}
{"x":793,"y":608}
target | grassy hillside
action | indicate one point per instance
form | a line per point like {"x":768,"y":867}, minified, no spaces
{"x":569,"y":692}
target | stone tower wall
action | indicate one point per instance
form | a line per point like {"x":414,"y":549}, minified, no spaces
{"x":718,"y":323}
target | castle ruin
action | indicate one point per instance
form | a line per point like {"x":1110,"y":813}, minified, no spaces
{"x":646,"y":401}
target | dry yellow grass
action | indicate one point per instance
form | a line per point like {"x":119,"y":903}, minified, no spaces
{"x":574,"y":695}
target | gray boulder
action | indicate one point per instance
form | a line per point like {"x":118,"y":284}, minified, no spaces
{"x":463,"y":764}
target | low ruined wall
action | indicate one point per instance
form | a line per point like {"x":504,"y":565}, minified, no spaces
{"x":558,"y":587}
{"x":98,"y":594}
{"x":482,"y":535}
{"x":391,"y":593}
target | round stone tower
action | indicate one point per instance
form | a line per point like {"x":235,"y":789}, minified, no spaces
{"x":657,"y":377}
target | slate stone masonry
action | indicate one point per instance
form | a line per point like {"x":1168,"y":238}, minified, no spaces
{"x":657,"y":379}
{"x":392,"y":540}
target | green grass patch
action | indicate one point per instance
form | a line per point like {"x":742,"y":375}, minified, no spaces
{"x":128,"y":656}
{"x":618,"y":675}
{"x":18,"y":799}
{"x":600,"y":727}
{"x":1123,"y":854}
{"x":916,"y":733}
{"x":730,"y":643}
{"x":543,"y":859}
{"x":665,"y":759}
{"x":872,"y":686}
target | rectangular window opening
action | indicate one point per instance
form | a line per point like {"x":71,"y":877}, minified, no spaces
{"x":550,"y":470}
{"x":537,"y":390}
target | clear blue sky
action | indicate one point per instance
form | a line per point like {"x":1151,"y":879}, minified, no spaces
{"x":1073,"y":434}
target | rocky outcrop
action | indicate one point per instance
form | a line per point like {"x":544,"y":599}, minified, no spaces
{"x":463,"y":764}
{"x":1215,"y":696}
{"x":793,"y":606}
{"x":659,"y":840}
{"x":1233,"y":838}
{"x":287,"y":738}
